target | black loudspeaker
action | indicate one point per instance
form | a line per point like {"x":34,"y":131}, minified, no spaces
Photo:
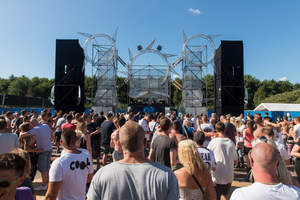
{"x":69,"y":76}
{"x":229,"y":78}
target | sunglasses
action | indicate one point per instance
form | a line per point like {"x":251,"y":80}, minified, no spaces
{"x":6,"y":184}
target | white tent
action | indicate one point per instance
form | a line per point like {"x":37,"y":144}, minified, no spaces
{"x":285,"y":107}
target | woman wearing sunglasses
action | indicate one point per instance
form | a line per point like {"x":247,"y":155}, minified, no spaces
{"x":11,"y":176}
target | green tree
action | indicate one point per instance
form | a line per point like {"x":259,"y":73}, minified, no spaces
{"x":4,"y":84}
{"x":286,"y":97}
{"x":19,"y":86}
{"x":296,"y":86}
{"x":252,"y":84}
{"x":210,"y":90}
{"x":122,"y":90}
{"x":260,"y":95}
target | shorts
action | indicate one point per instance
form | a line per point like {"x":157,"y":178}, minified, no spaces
{"x":246,"y":150}
{"x":107,"y":149}
{"x":58,"y":136}
{"x":44,"y":160}
{"x":222,"y":189}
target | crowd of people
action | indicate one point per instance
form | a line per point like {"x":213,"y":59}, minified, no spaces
{"x":149,"y":156}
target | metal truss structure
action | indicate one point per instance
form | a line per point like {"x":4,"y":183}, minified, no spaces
{"x":197,"y":53}
{"x":101,"y":52}
{"x":149,"y":82}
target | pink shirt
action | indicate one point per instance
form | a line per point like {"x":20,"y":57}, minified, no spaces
{"x":250,"y":137}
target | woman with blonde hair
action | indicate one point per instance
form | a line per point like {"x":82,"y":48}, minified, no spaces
{"x":85,"y":140}
{"x":194,"y":180}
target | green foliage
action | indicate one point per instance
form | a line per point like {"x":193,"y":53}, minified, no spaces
{"x":296,"y":86}
{"x":210,"y":90}
{"x":20,"y":86}
{"x":252,"y":84}
{"x":4,"y":83}
{"x":286,"y":97}
{"x":258,"y":91}
{"x":269,"y":88}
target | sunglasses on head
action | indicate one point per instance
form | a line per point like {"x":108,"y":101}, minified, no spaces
{"x":6,"y":184}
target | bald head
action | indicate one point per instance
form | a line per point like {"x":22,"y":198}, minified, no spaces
{"x":265,"y":156}
{"x":34,"y":122}
{"x":132,"y":137}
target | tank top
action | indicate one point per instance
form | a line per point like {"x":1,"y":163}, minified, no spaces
{"x":190,"y":194}
{"x":249,"y":137}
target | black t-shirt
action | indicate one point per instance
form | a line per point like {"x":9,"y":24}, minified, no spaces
{"x":92,"y":127}
{"x":107,"y":128}
{"x":162,"y":146}
{"x":100,"y":120}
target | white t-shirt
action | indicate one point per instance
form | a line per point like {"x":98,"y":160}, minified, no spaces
{"x":145,"y":126}
{"x":208,"y":157}
{"x":42,"y":134}
{"x":278,"y":136}
{"x":266,"y":192}
{"x":8,"y":142}
{"x":241,"y":128}
{"x":152,"y":126}
{"x":72,"y":170}
{"x":297,"y":129}
{"x":225,"y":155}
{"x":282,"y":150}
{"x":207,"y":128}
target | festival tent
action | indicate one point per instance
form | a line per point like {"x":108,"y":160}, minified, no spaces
{"x":285,"y":107}
{"x":278,"y":109}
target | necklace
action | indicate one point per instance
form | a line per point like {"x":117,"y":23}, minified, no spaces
{"x":266,"y":183}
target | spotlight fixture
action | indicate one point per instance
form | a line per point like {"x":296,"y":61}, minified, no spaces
{"x":159,"y":48}
{"x":139,"y":47}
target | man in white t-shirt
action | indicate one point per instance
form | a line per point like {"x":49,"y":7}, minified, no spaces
{"x":296,"y":130}
{"x":8,"y":141}
{"x":226,"y":157}
{"x":145,"y":124}
{"x":70,"y":173}
{"x":268,"y":132}
{"x":207,"y":155}
{"x":43,"y":135}
{"x":208,"y":129}
{"x":264,"y":163}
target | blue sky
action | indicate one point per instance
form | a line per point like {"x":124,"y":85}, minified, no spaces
{"x":269,"y":29}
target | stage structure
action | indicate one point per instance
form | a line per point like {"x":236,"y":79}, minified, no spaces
{"x":149,"y":83}
{"x":101,"y":52}
{"x":197,"y":53}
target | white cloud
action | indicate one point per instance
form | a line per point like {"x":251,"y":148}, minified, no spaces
{"x":195,"y":11}
{"x":282,"y":79}
{"x":175,"y":76}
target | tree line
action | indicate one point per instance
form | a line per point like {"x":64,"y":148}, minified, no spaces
{"x":267,"y":91}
